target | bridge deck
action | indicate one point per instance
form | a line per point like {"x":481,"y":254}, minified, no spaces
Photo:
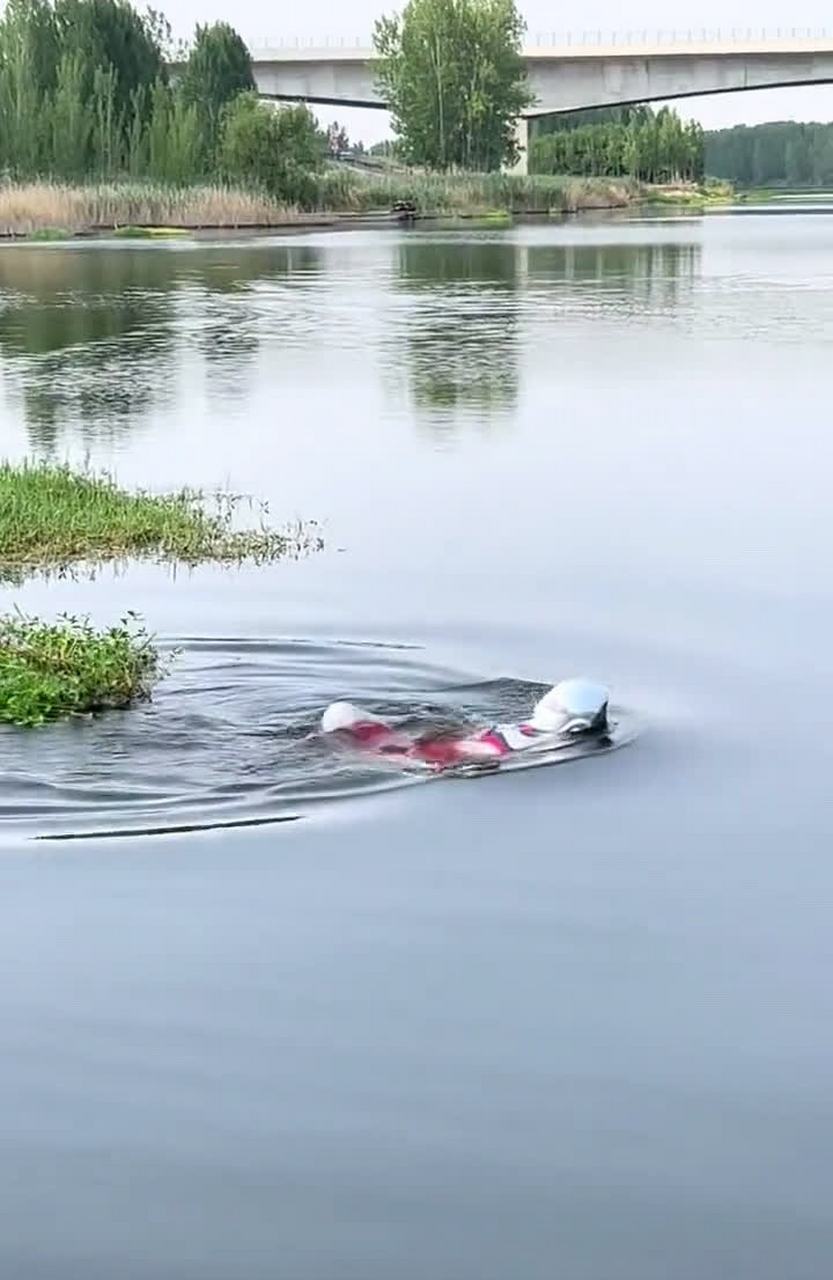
{"x":568,"y":52}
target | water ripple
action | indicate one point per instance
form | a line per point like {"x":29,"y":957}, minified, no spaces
{"x":231,"y":739}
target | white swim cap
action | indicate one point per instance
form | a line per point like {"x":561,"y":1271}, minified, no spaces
{"x":572,"y":706}
{"x":342,"y":715}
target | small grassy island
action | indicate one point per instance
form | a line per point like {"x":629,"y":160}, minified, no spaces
{"x":49,"y":671}
{"x":52,"y":517}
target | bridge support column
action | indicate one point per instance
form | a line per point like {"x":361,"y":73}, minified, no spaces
{"x":521,"y":165}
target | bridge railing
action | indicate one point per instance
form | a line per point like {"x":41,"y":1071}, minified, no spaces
{"x":586,"y":39}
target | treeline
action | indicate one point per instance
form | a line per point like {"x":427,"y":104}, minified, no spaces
{"x":637,"y":142}
{"x":783,"y":153}
{"x":85,"y":93}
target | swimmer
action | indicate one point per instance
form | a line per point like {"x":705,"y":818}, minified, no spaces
{"x":571,"y":708}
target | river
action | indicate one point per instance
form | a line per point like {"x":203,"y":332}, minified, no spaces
{"x":570,"y":1021}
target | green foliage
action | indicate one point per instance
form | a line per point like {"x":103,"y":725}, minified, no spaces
{"x":452,"y":73}
{"x":137,"y":143}
{"x":107,"y":125}
{"x":280,"y":149}
{"x":652,"y":146}
{"x":132,"y":233}
{"x":51,"y":516}
{"x":52,"y":670}
{"x":177,"y":142}
{"x":388,"y":149}
{"x":84,"y":92}
{"x":48,"y":235}
{"x":219,"y":68}
{"x":71,"y":119}
{"x":69,"y":76}
{"x":783,"y":153}
{"x":710,"y":192}
{"x":159,"y":30}
{"x":31,"y":24}
{"x":112,"y":37}
{"x":26,"y":76}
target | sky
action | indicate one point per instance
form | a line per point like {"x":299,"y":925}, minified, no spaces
{"x":313,"y":21}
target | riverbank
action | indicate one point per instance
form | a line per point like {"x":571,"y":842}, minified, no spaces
{"x":51,"y":210}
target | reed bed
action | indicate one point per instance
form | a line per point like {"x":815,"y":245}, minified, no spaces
{"x":32,"y":207}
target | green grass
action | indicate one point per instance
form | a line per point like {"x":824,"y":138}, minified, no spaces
{"x":48,"y":234}
{"x":49,"y":671}
{"x":148,"y":233}
{"x":52,"y":517}
{"x":132,"y":233}
{"x":694,"y":196}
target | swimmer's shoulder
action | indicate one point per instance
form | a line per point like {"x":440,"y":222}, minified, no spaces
{"x":519,"y":737}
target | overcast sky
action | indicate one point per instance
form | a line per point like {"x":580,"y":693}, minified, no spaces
{"x":261,"y":22}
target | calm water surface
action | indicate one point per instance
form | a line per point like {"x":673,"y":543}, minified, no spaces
{"x":568,"y":1022}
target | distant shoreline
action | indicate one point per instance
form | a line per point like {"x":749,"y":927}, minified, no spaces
{"x":47,"y":212}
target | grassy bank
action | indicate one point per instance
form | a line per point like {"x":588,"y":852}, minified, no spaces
{"x":52,"y":670}
{"x":52,"y":517}
{"x":691,"y":195}
{"x":44,"y":210}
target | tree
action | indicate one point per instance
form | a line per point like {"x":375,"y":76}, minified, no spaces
{"x":278,"y":149}
{"x":31,"y":23}
{"x":158,"y":130}
{"x":636,"y":141}
{"x":337,"y":139}
{"x":161,"y":33}
{"x":107,"y":126}
{"x":798,"y":160}
{"x":776,"y":153}
{"x":186,"y":155}
{"x":26,"y":75}
{"x":219,"y":67}
{"x":452,"y":74}
{"x":111,"y":34}
{"x":71,"y":120}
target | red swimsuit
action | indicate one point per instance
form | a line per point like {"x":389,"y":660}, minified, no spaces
{"x":440,"y":752}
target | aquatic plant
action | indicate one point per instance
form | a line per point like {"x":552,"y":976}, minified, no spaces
{"x":697,"y":196}
{"x":52,"y":516}
{"x":52,"y":670}
{"x":48,"y":234}
{"x":132,"y":233}
{"x":148,"y":233}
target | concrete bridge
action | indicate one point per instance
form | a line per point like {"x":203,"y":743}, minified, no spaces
{"x":568,"y":75}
